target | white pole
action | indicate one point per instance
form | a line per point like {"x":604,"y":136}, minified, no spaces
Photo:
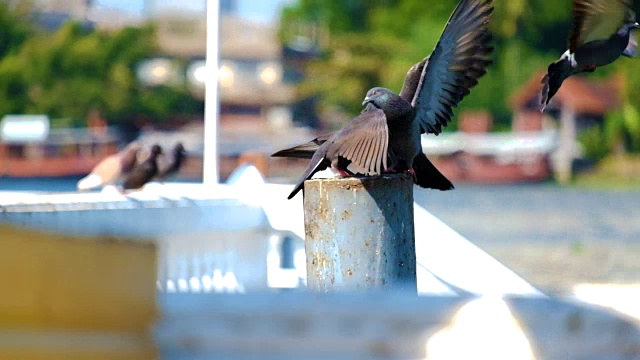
{"x":210,"y":156}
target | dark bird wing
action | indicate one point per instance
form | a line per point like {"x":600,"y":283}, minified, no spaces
{"x":304,"y":151}
{"x":318,"y":162}
{"x":141,"y":174}
{"x":459,"y":59}
{"x":597,"y":20}
{"x":363,"y":144}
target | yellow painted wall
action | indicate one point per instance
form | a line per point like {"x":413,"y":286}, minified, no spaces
{"x":57,"y":290}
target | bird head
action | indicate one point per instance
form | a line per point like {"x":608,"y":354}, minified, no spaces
{"x":377,"y":96}
{"x":156,"y":150}
{"x":631,"y":25}
{"x":627,"y":27}
{"x":630,"y":19}
{"x":179,"y":149}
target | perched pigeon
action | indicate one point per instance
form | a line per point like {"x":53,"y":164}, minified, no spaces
{"x":113,"y":169}
{"x":171,"y":166}
{"x":388,"y":130}
{"x":600,"y":34}
{"x":145,"y":171}
{"x":359,"y":148}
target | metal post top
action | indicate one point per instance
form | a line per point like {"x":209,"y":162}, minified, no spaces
{"x":359,"y":233}
{"x":358,"y":181}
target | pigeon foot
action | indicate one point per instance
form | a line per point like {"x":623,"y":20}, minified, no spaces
{"x":343,"y":173}
{"x":395,"y":170}
{"x":413,"y":174}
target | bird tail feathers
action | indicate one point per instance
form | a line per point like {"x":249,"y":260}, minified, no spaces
{"x":304,"y":151}
{"x":89,"y":182}
{"x":552,"y":80}
{"x":427,"y":176}
{"x":317,"y":163}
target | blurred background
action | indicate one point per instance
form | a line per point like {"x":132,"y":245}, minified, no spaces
{"x":553,"y":196}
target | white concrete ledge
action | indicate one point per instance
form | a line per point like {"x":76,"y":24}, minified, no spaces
{"x":390,"y":326}
{"x":145,"y":214}
{"x":195,"y":223}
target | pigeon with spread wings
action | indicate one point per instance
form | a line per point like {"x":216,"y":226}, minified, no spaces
{"x":359,"y":148}
{"x":600,"y":34}
{"x":388,"y":130}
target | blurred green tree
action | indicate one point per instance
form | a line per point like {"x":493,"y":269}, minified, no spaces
{"x":73,"y":71}
{"x":14,"y":28}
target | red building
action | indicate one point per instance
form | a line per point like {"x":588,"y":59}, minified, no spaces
{"x":580,"y":103}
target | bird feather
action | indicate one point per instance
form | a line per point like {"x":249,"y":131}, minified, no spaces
{"x":459,"y":58}
{"x":597,"y":20}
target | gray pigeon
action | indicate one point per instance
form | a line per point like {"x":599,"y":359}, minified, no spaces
{"x":171,"y":166}
{"x":388,"y":129}
{"x":359,"y":148}
{"x":113,"y":169}
{"x":600,"y":34}
{"x":144,"y":172}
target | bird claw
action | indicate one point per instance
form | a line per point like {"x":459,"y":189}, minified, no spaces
{"x":413,"y":174}
{"x":395,"y":171}
{"x":342,"y":173}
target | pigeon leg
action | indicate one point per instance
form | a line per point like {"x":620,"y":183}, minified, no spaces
{"x":590,"y":68}
{"x":343,"y":173}
{"x":394,"y":169}
{"x":413,"y":174}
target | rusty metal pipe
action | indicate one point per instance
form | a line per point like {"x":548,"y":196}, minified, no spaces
{"x":360,"y":233}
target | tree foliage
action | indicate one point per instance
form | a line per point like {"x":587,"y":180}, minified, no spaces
{"x":15,"y":29}
{"x":71,"y":72}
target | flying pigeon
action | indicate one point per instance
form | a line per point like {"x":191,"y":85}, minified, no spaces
{"x":145,"y":171}
{"x":600,"y":34}
{"x":171,"y":166}
{"x":113,"y":169}
{"x":388,"y":130}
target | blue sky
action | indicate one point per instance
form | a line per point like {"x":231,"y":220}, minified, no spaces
{"x":259,"y":10}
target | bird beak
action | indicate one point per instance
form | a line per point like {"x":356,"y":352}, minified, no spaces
{"x":366,"y":101}
{"x":636,"y":26}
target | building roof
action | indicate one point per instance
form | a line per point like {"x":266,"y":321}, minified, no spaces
{"x":578,"y":93}
{"x":241,"y":38}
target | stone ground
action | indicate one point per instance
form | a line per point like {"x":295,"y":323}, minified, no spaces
{"x":553,"y":237}
{"x":557,"y":268}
